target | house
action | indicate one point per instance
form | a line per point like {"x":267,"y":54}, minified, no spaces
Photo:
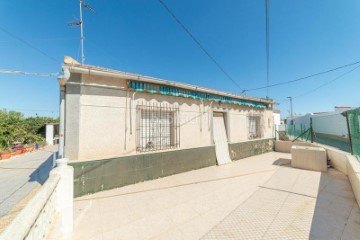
{"x":331,"y":123}
{"x":142,"y":127}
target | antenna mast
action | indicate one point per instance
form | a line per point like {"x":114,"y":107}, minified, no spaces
{"x":80,"y":23}
{"x":81,"y":34}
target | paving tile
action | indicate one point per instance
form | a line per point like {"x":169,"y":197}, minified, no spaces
{"x":156,"y":224}
{"x":172,"y":234}
{"x":247,"y":199}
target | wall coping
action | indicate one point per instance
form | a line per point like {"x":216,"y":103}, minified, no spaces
{"x":71,"y":162}
{"x":20,"y":227}
{"x":253,"y":140}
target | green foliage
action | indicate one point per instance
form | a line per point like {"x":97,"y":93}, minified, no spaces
{"x":15,"y":128}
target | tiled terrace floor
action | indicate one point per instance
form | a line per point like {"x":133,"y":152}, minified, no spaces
{"x":255,"y":198}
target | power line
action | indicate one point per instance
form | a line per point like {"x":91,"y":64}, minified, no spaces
{"x":45,"y":39}
{"x":198,"y":43}
{"x":28,"y":44}
{"x":302,"y":78}
{"x":326,"y":83}
{"x":29,"y":110}
{"x":267,"y":9}
{"x":331,"y":81}
{"x":30,"y":73}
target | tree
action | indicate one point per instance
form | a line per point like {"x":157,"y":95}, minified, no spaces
{"x":15,"y":128}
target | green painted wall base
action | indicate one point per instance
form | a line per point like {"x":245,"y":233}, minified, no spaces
{"x":98,"y":175}
{"x":250,"y":148}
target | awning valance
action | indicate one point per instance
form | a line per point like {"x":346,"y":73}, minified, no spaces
{"x":178,"y":92}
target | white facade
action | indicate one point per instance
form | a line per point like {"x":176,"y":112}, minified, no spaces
{"x":105,"y":118}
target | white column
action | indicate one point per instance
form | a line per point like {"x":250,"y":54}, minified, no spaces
{"x":62,"y":122}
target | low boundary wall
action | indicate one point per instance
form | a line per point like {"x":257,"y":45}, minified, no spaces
{"x":98,"y":175}
{"x":250,"y":148}
{"x":104,"y":174}
{"x":53,"y":201}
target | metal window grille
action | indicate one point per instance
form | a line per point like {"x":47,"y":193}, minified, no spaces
{"x":157,"y":127}
{"x":254,"y":127}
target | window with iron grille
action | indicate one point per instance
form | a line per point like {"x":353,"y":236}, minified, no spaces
{"x":157,"y":128}
{"x":254,"y":127}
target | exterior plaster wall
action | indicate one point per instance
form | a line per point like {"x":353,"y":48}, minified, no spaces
{"x":72,"y":112}
{"x":103,"y":111}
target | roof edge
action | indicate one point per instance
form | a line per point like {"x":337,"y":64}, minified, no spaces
{"x":89,"y":69}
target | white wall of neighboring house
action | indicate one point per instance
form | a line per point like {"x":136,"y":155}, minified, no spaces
{"x":277,"y":119}
{"x":331,"y":123}
{"x":277,"y":122}
{"x":305,"y":119}
{"x":50,"y":134}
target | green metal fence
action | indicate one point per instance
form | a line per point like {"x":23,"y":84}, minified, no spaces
{"x":353,"y":121}
{"x":299,"y":132}
{"x":305,"y":132}
{"x":341,"y":131}
{"x":331,"y":130}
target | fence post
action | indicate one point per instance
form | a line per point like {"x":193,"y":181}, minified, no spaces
{"x":349,"y":132}
{"x":65,"y":195}
{"x":311,"y":130}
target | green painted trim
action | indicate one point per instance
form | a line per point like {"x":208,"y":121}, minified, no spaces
{"x":179,"y":92}
{"x":98,"y":175}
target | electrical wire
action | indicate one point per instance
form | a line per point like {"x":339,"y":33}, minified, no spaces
{"x":329,"y":82}
{"x":30,"y":73}
{"x":324,"y":84}
{"x":29,"y":110}
{"x":198,"y":43}
{"x":302,"y":78}
{"x":28,"y":44}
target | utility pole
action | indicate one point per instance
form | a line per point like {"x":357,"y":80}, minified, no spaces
{"x":267,"y":12}
{"x":81,"y":24}
{"x":291,"y":110}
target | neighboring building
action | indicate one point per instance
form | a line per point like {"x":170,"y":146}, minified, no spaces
{"x":331,"y":123}
{"x":52,"y":133}
{"x":277,"y":122}
{"x":112,"y":114}
{"x":298,"y":119}
{"x":277,"y":117}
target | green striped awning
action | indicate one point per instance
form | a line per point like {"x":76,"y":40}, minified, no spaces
{"x":178,"y":92}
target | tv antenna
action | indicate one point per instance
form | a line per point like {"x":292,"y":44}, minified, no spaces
{"x":81,"y":23}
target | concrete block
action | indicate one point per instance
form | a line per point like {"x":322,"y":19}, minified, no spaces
{"x":310,"y":158}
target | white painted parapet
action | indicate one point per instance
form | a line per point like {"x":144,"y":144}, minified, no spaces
{"x":54,"y":199}
{"x":65,"y":195}
{"x":353,"y":172}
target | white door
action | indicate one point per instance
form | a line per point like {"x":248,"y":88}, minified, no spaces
{"x":220,"y":139}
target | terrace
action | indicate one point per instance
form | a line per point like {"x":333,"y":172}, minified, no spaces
{"x":260,"y":197}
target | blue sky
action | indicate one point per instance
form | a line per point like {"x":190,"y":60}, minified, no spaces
{"x":139,"y":36}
